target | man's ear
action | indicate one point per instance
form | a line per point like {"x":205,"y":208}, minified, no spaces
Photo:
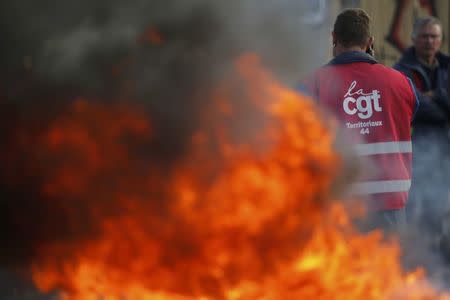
{"x":333,"y":36}
{"x":371,"y":41}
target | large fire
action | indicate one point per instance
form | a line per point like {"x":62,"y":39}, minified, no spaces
{"x":246,"y":213}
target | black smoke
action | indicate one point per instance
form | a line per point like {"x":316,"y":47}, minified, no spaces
{"x":56,"y":51}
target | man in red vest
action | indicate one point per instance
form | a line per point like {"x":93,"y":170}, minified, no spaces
{"x":374,"y":106}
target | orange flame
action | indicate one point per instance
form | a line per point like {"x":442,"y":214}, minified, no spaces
{"x":245,"y":214}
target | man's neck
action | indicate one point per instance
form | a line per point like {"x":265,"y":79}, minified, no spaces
{"x":338,"y":50}
{"x":428,"y":61}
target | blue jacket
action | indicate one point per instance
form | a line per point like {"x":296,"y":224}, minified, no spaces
{"x":432,"y":113}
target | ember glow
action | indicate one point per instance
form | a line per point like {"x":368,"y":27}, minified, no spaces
{"x":246,"y":213}
{"x":151,"y":36}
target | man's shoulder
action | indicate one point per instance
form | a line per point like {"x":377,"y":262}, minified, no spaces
{"x":407,"y":60}
{"x":394,"y":75}
{"x":444,"y":59}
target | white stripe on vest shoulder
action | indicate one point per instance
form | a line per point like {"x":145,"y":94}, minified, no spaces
{"x":383,"y":148}
{"x":380,"y":186}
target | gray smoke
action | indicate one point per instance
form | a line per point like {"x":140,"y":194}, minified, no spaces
{"x":426,"y":241}
{"x":71,"y":41}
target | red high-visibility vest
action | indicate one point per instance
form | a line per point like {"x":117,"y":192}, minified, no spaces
{"x":374,"y":105}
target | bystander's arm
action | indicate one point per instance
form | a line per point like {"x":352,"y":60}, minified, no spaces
{"x":430,"y":108}
{"x":440,"y":97}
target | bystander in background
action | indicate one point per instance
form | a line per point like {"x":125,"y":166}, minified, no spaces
{"x":428,"y":68}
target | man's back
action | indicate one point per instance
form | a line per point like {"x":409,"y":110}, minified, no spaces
{"x":374,"y":106}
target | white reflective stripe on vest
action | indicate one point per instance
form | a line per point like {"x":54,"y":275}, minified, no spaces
{"x":383,"y":148}
{"x":381,"y":186}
